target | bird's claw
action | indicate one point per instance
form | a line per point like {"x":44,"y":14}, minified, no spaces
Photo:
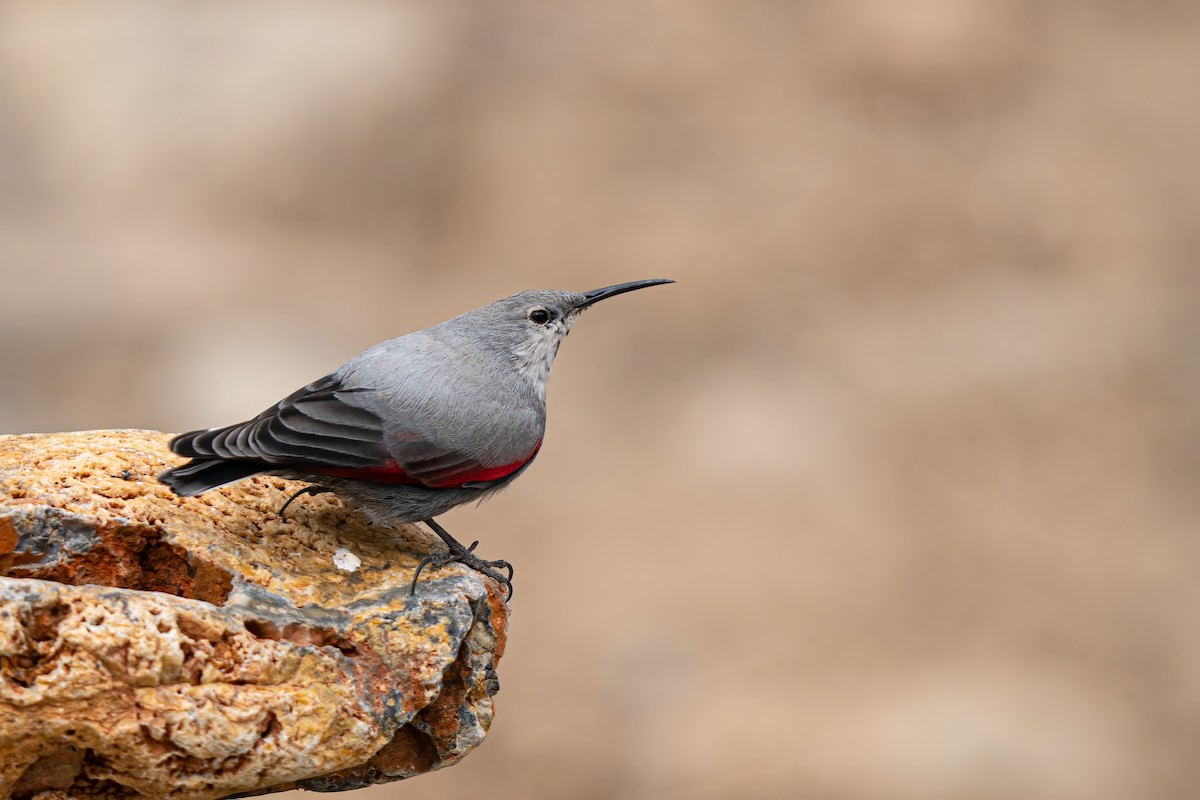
{"x":313,"y":490}
{"x":467,"y":557}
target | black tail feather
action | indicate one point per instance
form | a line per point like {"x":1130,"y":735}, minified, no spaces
{"x":200,"y":475}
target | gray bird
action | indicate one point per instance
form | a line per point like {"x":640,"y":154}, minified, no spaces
{"x":414,"y":426}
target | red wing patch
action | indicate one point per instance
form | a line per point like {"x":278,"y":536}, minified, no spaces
{"x":392,"y":472}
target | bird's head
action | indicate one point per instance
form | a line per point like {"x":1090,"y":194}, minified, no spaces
{"x":530,"y":326}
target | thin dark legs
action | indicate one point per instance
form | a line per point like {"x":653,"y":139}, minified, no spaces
{"x":464,"y":555}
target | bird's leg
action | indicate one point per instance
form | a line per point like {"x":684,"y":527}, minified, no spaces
{"x":464,"y":555}
{"x":313,"y":490}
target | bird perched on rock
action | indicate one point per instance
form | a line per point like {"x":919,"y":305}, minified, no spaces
{"x":414,"y":426}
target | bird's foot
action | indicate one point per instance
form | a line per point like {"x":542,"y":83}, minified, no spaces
{"x":314,"y":490}
{"x":464,"y":555}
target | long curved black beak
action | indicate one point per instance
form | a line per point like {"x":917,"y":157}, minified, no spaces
{"x":596,"y":295}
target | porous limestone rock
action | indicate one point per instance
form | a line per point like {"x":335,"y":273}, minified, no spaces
{"x":157,"y":646}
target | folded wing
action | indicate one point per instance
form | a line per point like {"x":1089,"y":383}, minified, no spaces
{"x":321,"y":429}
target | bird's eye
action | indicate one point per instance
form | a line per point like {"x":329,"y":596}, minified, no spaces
{"x":539,"y":316}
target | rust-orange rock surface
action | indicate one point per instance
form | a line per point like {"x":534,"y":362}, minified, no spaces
{"x":156,"y":646}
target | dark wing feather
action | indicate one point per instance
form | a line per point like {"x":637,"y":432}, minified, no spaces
{"x":318,"y":425}
{"x":199,"y":476}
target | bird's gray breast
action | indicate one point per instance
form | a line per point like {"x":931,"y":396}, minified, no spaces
{"x":453,"y":398}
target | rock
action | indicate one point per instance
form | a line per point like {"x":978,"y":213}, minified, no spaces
{"x":157,"y":646}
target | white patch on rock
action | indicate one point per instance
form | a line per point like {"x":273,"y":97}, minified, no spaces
{"x":346,"y":561}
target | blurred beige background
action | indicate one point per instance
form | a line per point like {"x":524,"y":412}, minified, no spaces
{"x":893,"y":496}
